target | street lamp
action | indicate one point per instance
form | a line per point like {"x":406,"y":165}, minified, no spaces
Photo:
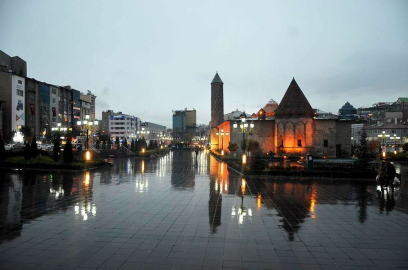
{"x":244,"y":127}
{"x":87,"y":124}
{"x":383,"y":136}
{"x":222,"y":140}
{"x":395,"y":138}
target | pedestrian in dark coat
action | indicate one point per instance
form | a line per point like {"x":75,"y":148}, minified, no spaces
{"x":390,"y":174}
{"x":382,"y":174}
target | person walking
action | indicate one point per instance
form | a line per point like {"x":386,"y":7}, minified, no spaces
{"x":390,"y":175}
{"x":382,"y":174}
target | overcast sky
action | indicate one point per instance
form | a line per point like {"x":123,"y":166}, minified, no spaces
{"x":147,"y":58}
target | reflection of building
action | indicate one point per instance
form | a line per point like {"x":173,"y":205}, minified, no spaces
{"x":299,"y":197}
{"x":28,"y":196}
{"x":293,"y":128}
{"x":183,"y":171}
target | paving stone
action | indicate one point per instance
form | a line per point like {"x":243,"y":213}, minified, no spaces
{"x":178,"y":212}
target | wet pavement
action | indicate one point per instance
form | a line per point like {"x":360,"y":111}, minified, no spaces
{"x":178,"y":212}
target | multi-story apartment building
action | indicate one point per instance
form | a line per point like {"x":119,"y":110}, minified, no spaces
{"x":184,"y":124}
{"x":89,"y":99}
{"x":13,"y":71}
{"x":119,"y":125}
{"x":37,"y":105}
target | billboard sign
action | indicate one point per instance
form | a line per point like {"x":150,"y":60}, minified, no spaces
{"x":17,"y":101}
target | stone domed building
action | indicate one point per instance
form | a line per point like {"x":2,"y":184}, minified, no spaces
{"x":270,"y":108}
{"x":294,"y":122}
{"x":293,"y":128}
{"x":348,"y":112}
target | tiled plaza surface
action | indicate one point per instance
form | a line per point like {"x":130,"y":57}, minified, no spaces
{"x":179,"y":212}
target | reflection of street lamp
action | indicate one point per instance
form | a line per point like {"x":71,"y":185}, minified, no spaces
{"x":383,"y":136}
{"x":395,"y":138}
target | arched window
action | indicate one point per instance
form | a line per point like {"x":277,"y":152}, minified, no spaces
{"x":299,"y":140}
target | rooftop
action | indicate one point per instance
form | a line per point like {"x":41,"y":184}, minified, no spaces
{"x":294,"y":103}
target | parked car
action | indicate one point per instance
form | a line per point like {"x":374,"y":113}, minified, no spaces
{"x":18,"y":146}
{"x":8,"y":147}
{"x":45,"y":147}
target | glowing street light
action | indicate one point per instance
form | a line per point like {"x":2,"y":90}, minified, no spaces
{"x":383,"y":136}
{"x":395,"y":138}
{"x":87,"y":124}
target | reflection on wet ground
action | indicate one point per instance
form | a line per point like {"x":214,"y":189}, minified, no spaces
{"x":179,"y":211}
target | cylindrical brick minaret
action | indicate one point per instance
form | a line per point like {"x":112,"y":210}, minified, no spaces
{"x":217,"y":101}
{"x":217,"y":108}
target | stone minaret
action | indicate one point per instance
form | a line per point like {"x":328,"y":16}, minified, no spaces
{"x":217,"y":108}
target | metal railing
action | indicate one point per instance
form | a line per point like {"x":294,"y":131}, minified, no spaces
{"x":125,"y":150}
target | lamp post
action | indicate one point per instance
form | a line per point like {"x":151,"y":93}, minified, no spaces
{"x":59,"y":128}
{"x":383,"y":136}
{"x":222,"y":140}
{"x":87,"y":124}
{"x":244,"y":127}
{"x":395,"y":138}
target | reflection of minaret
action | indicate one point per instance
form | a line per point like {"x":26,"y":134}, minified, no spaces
{"x":182,"y":174}
{"x":217,"y":108}
{"x":215,"y":200}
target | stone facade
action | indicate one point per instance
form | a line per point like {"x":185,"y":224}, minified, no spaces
{"x":262,"y":132}
{"x":294,"y":135}
{"x":293,"y":130}
{"x":332,"y":138}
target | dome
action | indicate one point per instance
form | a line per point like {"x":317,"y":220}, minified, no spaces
{"x":347,"y":109}
{"x":270,"y":107}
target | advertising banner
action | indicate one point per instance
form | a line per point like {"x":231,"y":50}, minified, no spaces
{"x":17,"y":101}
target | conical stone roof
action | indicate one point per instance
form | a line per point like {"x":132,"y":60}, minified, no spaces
{"x":217,"y":79}
{"x":294,"y":103}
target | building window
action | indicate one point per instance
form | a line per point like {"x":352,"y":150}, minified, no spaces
{"x":300,"y":143}
{"x":325,"y":143}
{"x":20,"y":93}
{"x":31,"y":95}
{"x":54,"y":91}
{"x":20,"y":82}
